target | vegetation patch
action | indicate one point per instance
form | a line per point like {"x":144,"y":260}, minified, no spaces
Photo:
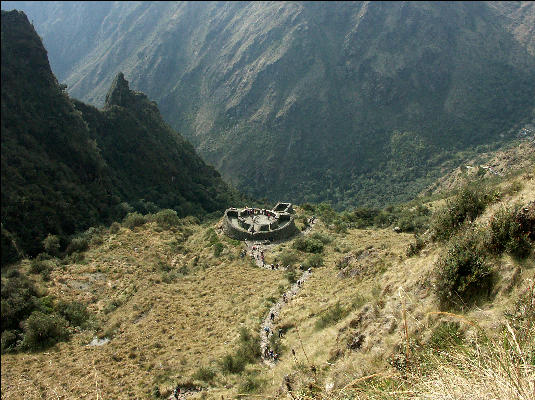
{"x":331,"y":316}
{"x":463,"y":273}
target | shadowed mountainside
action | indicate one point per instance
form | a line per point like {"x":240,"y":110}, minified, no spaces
{"x":67,"y":166}
{"x":354,"y":103}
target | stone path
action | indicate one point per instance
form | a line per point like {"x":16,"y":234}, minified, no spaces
{"x":185,"y":393}
{"x":255,"y":250}
{"x":268,"y":327}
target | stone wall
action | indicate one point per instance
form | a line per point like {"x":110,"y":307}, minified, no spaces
{"x":277,"y":230}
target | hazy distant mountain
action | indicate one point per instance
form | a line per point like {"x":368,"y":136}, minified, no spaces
{"x":67,"y":166}
{"x":351,"y":102}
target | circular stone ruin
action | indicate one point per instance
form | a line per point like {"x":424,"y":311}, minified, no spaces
{"x":260,"y":224}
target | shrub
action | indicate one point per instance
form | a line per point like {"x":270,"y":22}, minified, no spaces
{"x":308,"y":245}
{"x":288,"y":258}
{"x":466,"y":206}
{"x":314,"y":261}
{"x":9,"y":341}
{"x":331,"y":316}
{"x":133,"y":219}
{"x":506,"y":234}
{"x":248,"y":352}
{"x":115,"y":227}
{"x":51,"y":244}
{"x":325,"y":239}
{"x":204,"y":374}
{"x":167,"y":218}
{"x":249,"y":384}
{"x":232,"y":364}
{"x":74,"y":312}
{"x":218,"y":248}
{"x":415,"y":247}
{"x":42,"y":331}
{"x":38,"y":266}
{"x":291,"y":275}
{"x":77,"y":245}
{"x":18,"y":301}
{"x":249,"y":346}
{"x":445,"y":335}
{"x":463,"y":273}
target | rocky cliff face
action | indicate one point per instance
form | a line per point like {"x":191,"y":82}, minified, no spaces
{"x":311,"y":100}
{"x":67,"y":166}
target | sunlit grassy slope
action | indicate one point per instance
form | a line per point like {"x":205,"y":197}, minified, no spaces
{"x":173,"y":309}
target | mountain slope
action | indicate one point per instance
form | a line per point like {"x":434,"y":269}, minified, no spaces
{"x":67,"y":166}
{"x":347,"y":102}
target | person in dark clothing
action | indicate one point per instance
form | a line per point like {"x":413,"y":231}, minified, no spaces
{"x":176,"y":392}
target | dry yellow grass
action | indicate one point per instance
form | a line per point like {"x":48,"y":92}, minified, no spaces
{"x":163,"y":332}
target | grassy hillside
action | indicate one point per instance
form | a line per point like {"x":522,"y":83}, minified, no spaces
{"x":181,"y":306}
{"x":352,"y":103}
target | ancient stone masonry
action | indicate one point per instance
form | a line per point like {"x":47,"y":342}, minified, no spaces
{"x":260,"y":224}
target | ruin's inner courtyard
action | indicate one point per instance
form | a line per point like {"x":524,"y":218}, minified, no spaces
{"x":257,"y":221}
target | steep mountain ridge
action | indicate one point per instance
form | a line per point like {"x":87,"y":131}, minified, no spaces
{"x":311,"y":100}
{"x":67,"y":166}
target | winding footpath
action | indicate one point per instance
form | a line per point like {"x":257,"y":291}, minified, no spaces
{"x":257,"y":250}
{"x":268,"y":326}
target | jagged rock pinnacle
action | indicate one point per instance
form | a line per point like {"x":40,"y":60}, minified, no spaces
{"x":119,"y":92}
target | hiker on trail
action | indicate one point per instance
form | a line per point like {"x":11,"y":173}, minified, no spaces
{"x":266,"y":352}
{"x":271,"y":354}
{"x":176,"y":392}
{"x":266,"y":329}
{"x":280,"y":332}
{"x":272,"y":316}
{"x":284,"y":297}
{"x":275,"y":356}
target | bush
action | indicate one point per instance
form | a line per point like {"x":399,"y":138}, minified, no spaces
{"x":232,"y":364}
{"x":248,"y":352}
{"x":466,"y":206}
{"x":9,"y":341}
{"x":331,"y":316}
{"x":77,"y":245}
{"x":314,"y":261}
{"x":133,"y":219}
{"x":115,"y":227}
{"x":204,"y":374}
{"x":415,"y":247}
{"x":249,"y":346}
{"x":308,"y":245}
{"x":288,"y":258}
{"x":218,"y":249}
{"x":506,"y":234}
{"x":38,"y":266}
{"x":166,"y":218}
{"x":51,"y":245}
{"x":74,"y":312}
{"x":42,"y":331}
{"x":463,"y":273}
{"x":291,"y":275}
{"x":19,"y":297}
{"x":249,"y":384}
